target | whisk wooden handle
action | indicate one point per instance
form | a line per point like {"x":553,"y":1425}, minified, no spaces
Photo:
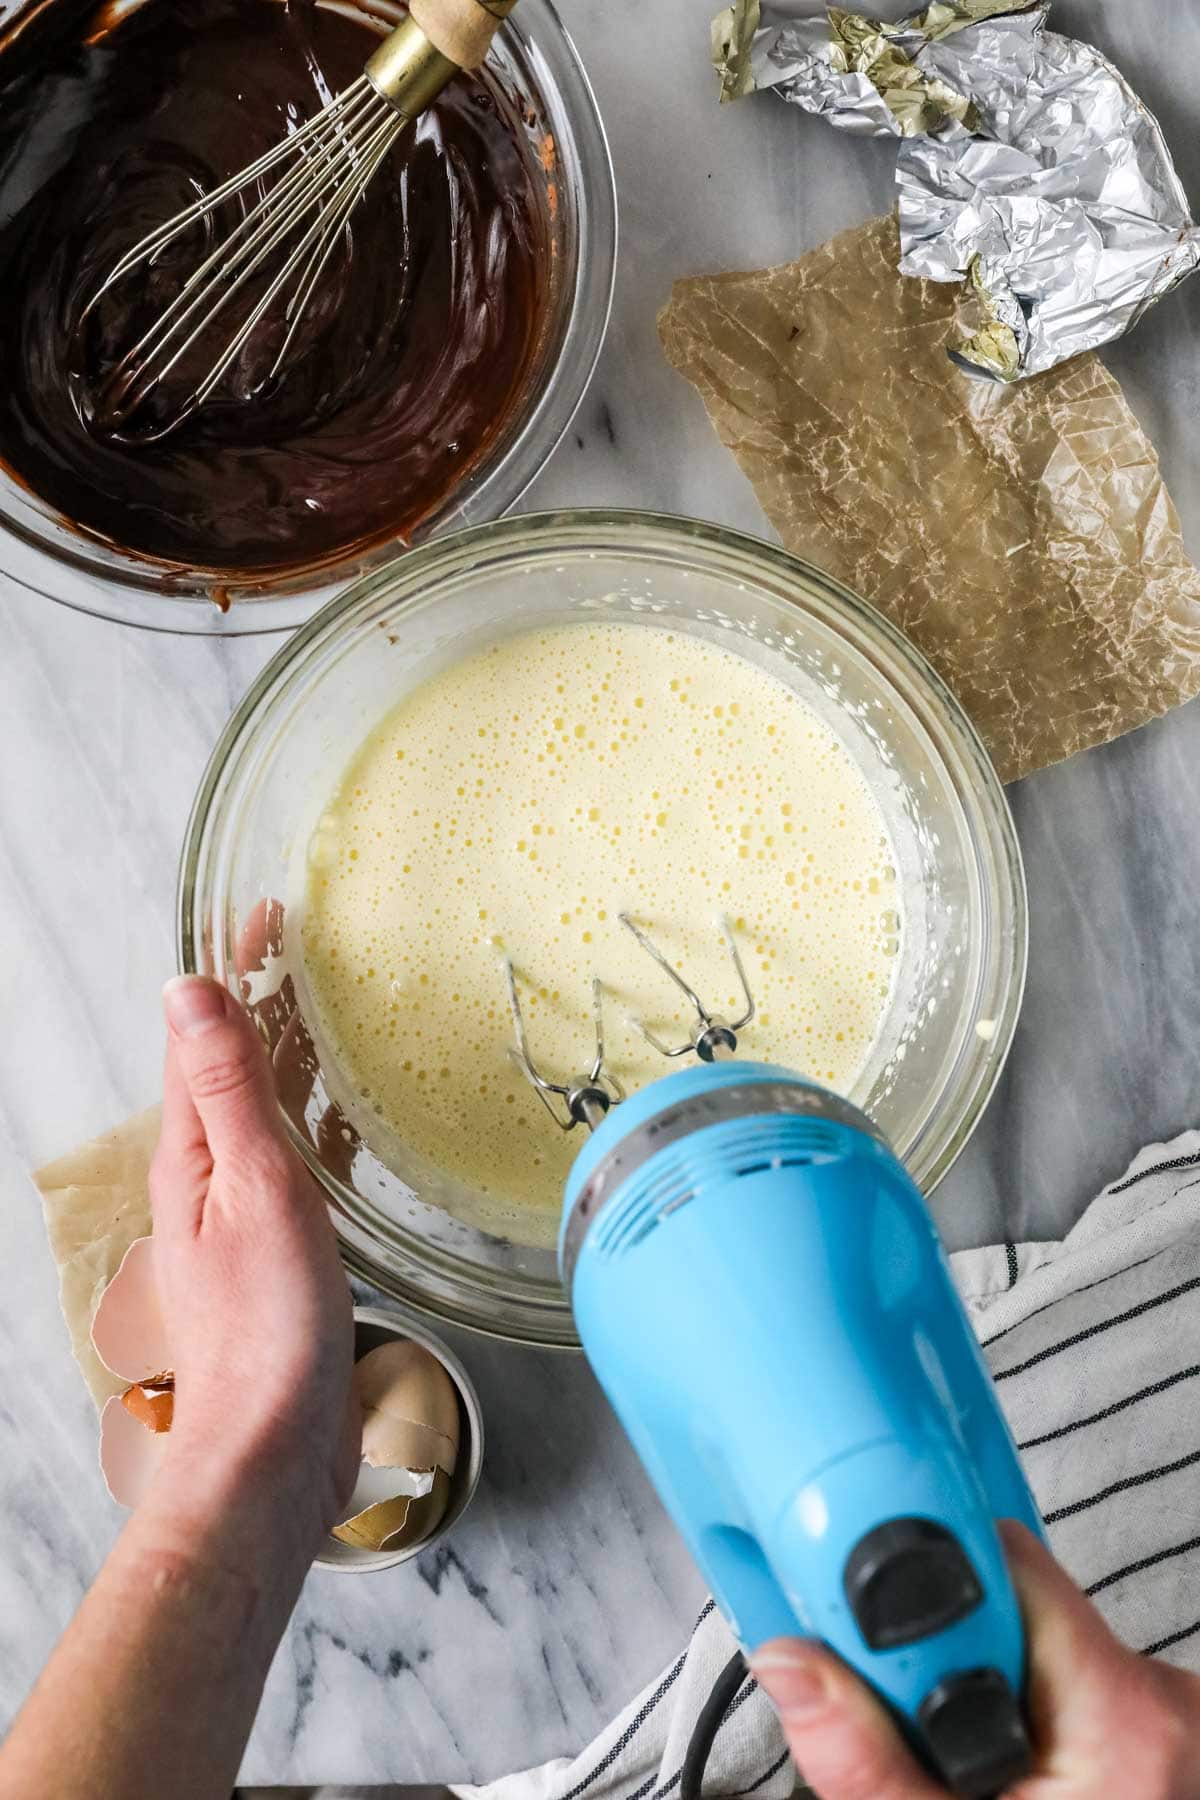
{"x":460,"y":29}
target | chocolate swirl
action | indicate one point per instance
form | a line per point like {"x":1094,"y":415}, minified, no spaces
{"x":410,"y":360}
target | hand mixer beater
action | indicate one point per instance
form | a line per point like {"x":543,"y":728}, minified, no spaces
{"x":290,"y":209}
{"x":761,"y":1291}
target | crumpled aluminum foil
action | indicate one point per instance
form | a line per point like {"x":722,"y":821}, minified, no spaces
{"x":1026,"y":165}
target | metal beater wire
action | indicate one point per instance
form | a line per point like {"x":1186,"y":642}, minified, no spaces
{"x":709,"y":1021}
{"x":607,"y":1086}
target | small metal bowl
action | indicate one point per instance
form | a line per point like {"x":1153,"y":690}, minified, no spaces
{"x":372,"y":1328}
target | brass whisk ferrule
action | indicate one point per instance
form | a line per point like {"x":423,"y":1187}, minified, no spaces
{"x":408,"y":70}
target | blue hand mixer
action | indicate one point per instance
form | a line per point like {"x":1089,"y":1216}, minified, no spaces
{"x":762,"y":1294}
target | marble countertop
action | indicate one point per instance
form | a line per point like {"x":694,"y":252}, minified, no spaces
{"x":564,"y":1589}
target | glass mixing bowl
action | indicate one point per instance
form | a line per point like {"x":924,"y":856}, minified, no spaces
{"x":535,"y":59}
{"x":963,"y":946}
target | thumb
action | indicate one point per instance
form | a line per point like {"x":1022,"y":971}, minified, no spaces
{"x":222,"y":1064}
{"x":843,"y":1742}
{"x":1091,"y":1699}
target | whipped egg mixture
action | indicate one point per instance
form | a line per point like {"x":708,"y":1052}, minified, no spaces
{"x":518,"y":802}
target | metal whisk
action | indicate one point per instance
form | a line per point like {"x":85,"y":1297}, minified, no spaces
{"x":586,"y":1098}
{"x":307,"y":188}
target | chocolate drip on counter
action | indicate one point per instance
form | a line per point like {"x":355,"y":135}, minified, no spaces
{"x":413,"y":359}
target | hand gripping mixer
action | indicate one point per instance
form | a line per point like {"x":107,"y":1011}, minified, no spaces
{"x":761,"y":1292}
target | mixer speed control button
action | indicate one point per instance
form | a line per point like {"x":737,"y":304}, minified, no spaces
{"x":906,"y":1579}
{"x":975,"y":1734}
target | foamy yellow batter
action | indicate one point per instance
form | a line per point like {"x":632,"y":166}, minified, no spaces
{"x":522,"y":799}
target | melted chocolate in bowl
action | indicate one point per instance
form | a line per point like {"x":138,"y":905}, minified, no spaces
{"x":409,"y":363}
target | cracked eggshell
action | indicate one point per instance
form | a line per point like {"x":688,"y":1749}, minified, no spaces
{"x":128,"y":1330}
{"x":153,"y":1405}
{"x":130,"y":1455}
{"x":376,"y":1485}
{"x":401,"y":1520}
{"x":409,"y":1407}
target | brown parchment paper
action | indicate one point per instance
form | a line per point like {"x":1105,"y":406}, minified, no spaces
{"x":97,"y":1201}
{"x":1021,"y":535}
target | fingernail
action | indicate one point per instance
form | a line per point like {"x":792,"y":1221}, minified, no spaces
{"x":792,"y":1676}
{"x":192,"y":1005}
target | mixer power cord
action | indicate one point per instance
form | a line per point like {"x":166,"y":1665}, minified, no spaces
{"x":707,"y":1725}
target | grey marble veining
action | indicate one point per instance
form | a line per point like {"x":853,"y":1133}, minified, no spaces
{"x":563,"y":1589}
